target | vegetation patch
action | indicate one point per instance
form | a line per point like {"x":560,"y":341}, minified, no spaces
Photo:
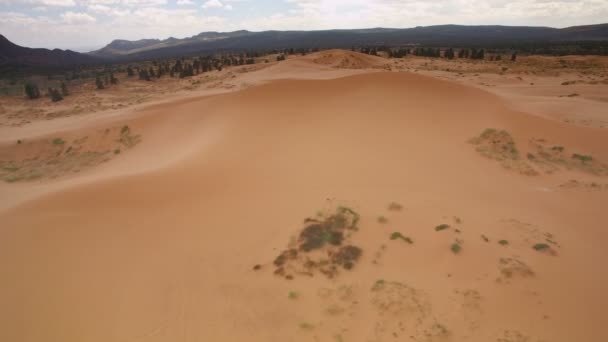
{"x":541,"y":246}
{"x":503,"y":242}
{"x":456,"y":248}
{"x":499,"y":145}
{"x":322,"y":245}
{"x":397,"y":235}
{"x":513,"y":267}
{"x":442,"y":227}
{"x":583,"y":158}
{"x":39,"y":159}
{"x":58,"y":141}
{"x":553,"y":158}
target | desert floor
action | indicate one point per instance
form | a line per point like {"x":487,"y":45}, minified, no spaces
{"x":330,"y":197}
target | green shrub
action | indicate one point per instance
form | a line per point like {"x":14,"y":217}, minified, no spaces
{"x":32,"y":91}
{"x":441,"y":227}
{"x":583,"y":158}
{"x":397,"y":235}
{"x":55,"y":95}
{"x":541,"y":246}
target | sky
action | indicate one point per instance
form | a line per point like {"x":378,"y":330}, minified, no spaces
{"x":84,"y":25}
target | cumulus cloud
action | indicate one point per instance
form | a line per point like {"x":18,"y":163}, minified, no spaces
{"x":184,"y":2}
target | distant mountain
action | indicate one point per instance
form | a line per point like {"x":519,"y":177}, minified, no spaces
{"x":444,"y":35}
{"x":15,"y":57}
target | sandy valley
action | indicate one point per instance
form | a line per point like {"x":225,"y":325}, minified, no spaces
{"x":330,"y":197}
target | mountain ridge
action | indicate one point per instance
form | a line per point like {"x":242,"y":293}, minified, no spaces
{"x":448,"y":35}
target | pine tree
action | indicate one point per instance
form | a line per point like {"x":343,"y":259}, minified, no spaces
{"x":130,"y":72}
{"x":55,"y":95}
{"x":64,"y":89}
{"x":99,"y":82}
{"x":32,"y":91}
{"x":113,"y":79}
{"x":449,"y":53}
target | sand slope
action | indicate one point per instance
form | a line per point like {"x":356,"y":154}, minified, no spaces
{"x":165,"y":252}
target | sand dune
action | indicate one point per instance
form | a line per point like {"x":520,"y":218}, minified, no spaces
{"x":161,"y":243}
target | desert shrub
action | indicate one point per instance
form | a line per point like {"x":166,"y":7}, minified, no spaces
{"x":347,"y":256}
{"x":583,"y":158}
{"x":441,"y":227}
{"x":32,"y":91}
{"x":456,"y":248}
{"x":99,"y":83}
{"x":541,"y":246}
{"x":64,"y":89}
{"x":397,"y":235}
{"x":55,"y":95}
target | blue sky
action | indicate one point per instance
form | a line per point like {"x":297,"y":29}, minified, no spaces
{"x":88,"y":24}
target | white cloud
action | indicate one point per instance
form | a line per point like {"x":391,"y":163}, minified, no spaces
{"x":139,"y":3}
{"x":63,"y":3}
{"x":184,"y":2}
{"x":76,"y":18}
{"x":213,"y":4}
{"x":108,"y":11}
{"x":216,"y":4}
{"x":28,"y":3}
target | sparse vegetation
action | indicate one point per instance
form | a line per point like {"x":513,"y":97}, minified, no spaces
{"x":582,"y":157}
{"x":500,"y":145}
{"x":541,"y":246}
{"x":456,"y":248}
{"x":293,"y":295}
{"x":382,"y":219}
{"x":442,"y":227}
{"x":397,"y":235}
{"x":503,"y":242}
{"x":55,"y":95}
{"x":378,"y":284}
{"x":58,"y":141}
{"x":327,"y":233}
{"x":32,"y":91}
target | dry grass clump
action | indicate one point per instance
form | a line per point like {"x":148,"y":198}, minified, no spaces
{"x":552,"y":158}
{"x":500,"y":145}
{"x":512,"y":267}
{"x":321,"y":246}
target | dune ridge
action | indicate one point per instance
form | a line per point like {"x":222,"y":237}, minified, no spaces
{"x":157,"y":253}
